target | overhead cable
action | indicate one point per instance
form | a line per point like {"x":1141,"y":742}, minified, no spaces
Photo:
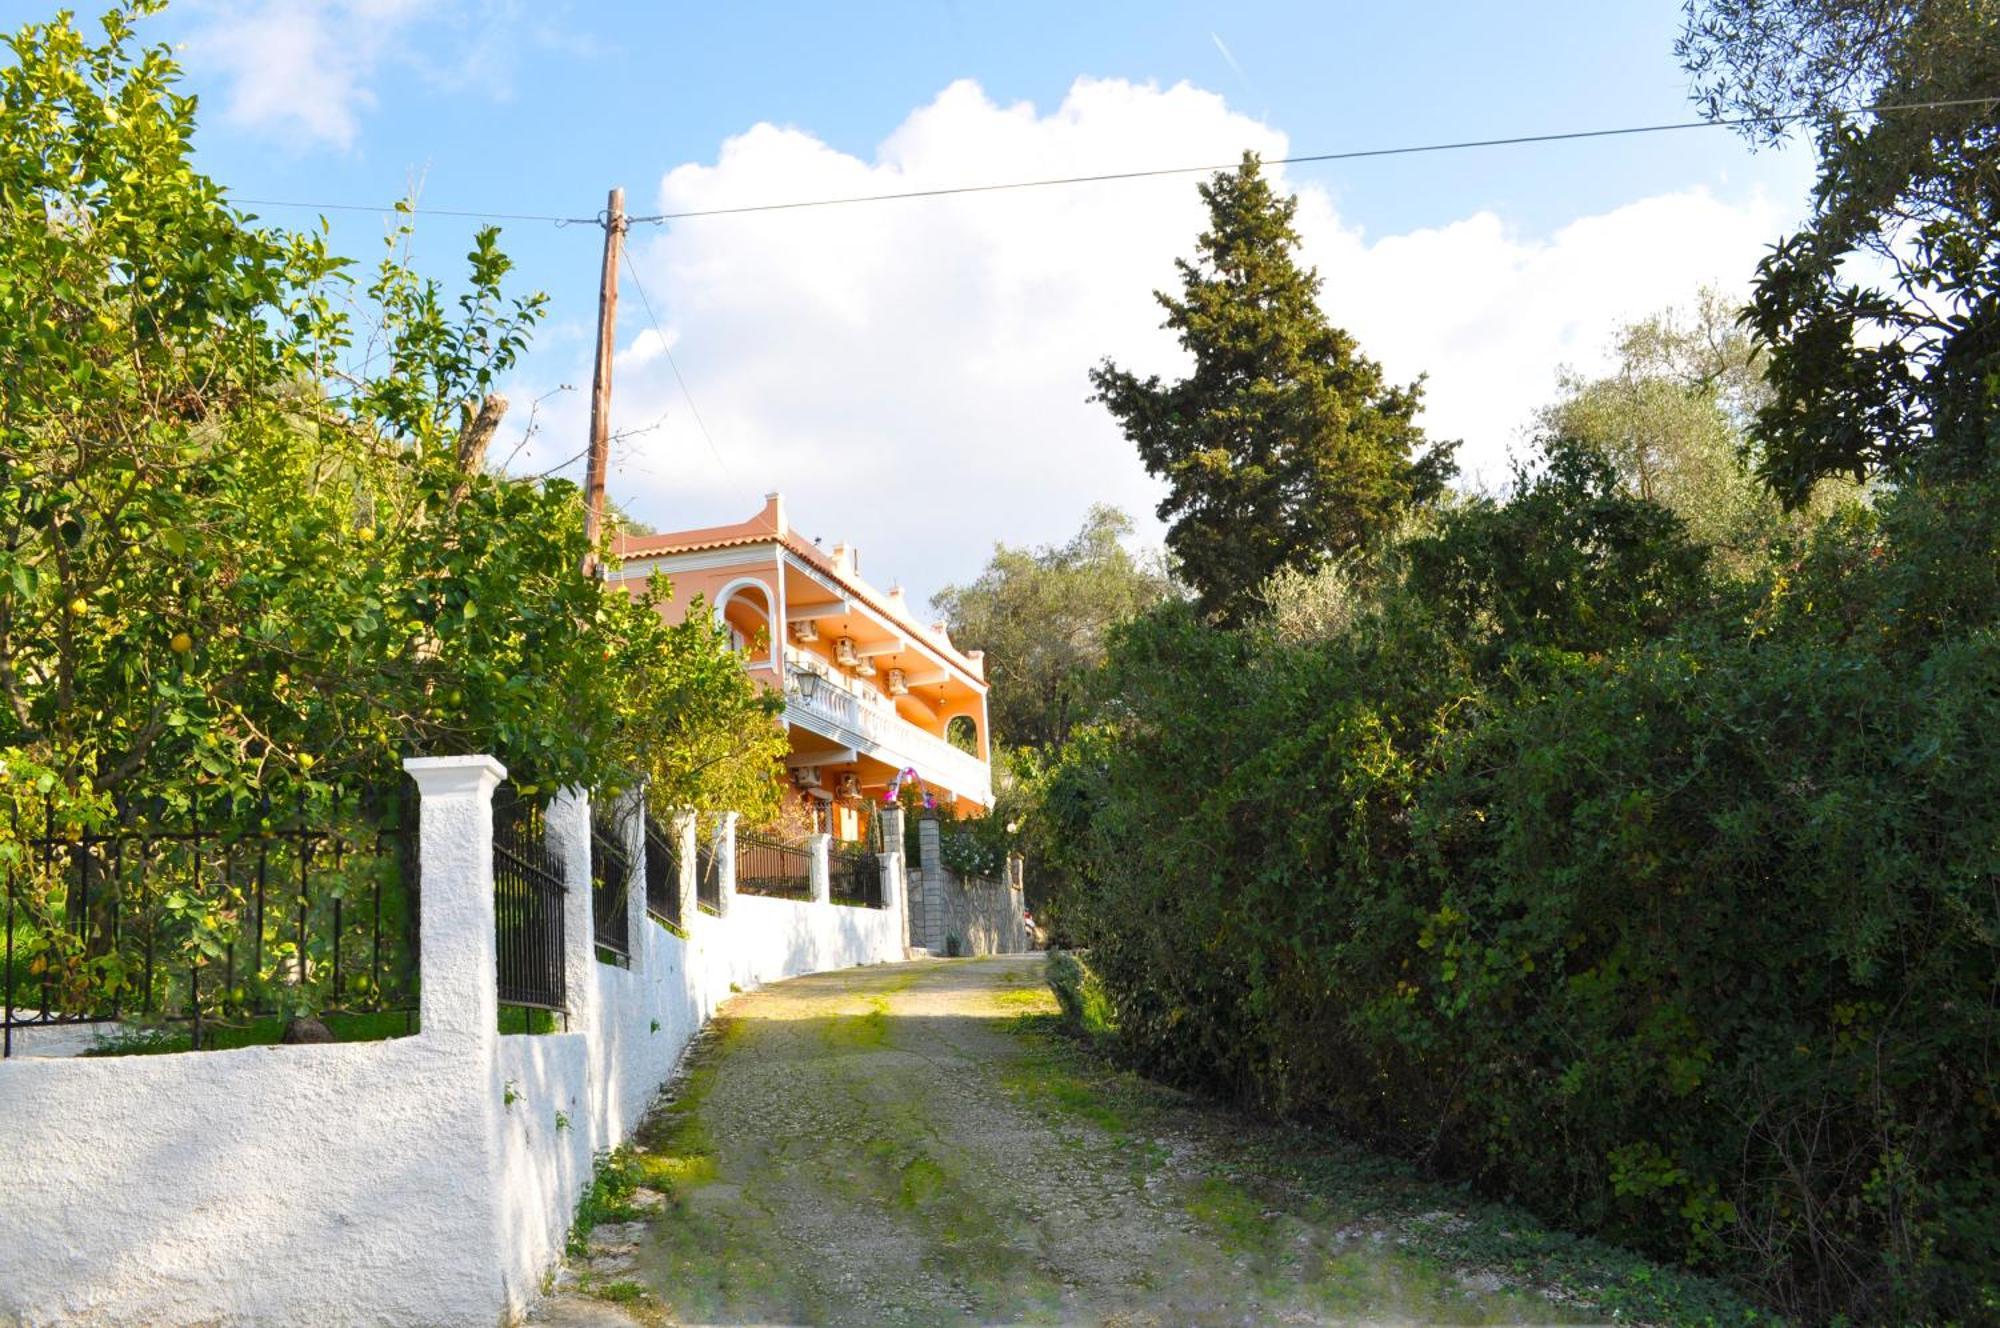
{"x":1105,"y":177}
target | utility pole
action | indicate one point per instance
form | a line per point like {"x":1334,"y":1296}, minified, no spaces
{"x":600,"y":377}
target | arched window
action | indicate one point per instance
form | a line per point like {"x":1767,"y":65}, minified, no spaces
{"x":962,"y":732}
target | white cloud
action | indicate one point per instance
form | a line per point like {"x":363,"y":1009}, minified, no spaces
{"x":1491,"y":315}
{"x":306,"y":70}
{"x":913,"y":374}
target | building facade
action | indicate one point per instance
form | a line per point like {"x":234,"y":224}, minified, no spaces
{"x":869,"y":692}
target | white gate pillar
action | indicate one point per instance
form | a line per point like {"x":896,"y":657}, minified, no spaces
{"x":460,"y":995}
{"x":822,"y":878}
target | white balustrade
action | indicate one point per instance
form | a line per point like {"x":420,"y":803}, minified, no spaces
{"x":868,"y":720}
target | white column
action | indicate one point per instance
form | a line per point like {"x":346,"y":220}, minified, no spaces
{"x":822,"y":878}
{"x":459,"y":1009}
{"x":460,"y":994}
{"x":567,"y":822}
{"x":687,"y":848}
{"x":725,"y":859}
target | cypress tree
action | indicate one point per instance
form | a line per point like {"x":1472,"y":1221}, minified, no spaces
{"x":1285,"y":446}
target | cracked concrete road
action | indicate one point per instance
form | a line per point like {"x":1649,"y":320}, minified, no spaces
{"x":893,"y":1145}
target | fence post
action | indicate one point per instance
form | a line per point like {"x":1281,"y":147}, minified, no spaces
{"x":632,"y":820}
{"x":822,"y":878}
{"x":568,"y":827}
{"x":460,"y":995}
{"x":895,"y":877}
{"x":687,"y":846}
{"x":931,"y":848}
{"x":725,"y":861}
{"x":1017,"y":904}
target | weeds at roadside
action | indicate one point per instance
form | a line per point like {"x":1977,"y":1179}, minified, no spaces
{"x":1443,"y":1237}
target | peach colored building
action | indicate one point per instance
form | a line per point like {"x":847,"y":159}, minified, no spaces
{"x":869,"y":692}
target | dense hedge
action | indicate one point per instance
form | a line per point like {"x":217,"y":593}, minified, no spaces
{"x":1667,"y":908}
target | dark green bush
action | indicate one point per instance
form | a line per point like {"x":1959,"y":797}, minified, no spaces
{"x":1666,"y":908}
{"x":1080,"y":995}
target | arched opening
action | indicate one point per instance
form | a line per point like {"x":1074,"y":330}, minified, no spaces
{"x":962,"y":732}
{"x":743,"y":608}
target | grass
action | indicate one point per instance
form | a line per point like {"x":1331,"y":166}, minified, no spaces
{"x":1277,"y":1176}
{"x":622,"y":1293}
{"x":714,"y":1248}
{"x":971,"y":1233}
{"x":1081,"y":997}
{"x":1230,"y":1211}
{"x":861,"y":1032}
{"x":671,"y":1154}
{"x":1024,"y":999}
{"x":1304,"y":1218}
{"x":717,"y":1250}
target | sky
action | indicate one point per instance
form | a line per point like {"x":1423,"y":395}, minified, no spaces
{"x":913,"y":375}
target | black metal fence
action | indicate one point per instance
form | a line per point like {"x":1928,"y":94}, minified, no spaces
{"x":707,"y":877}
{"x":215,"y":920}
{"x":528,"y":896}
{"x":663,"y":872}
{"x":854,"y":876}
{"x":767,"y":866}
{"x":610,"y":874}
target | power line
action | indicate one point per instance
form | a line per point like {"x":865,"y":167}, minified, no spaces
{"x":1353,"y":155}
{"x":419,"y":211}
{"x":668,"y":350}
{"x":1105,"y":177}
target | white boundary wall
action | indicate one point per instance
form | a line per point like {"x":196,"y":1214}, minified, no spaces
{"x":387,"y":1182}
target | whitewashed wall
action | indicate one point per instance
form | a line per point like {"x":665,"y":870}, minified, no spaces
{"x":385,"y":1182}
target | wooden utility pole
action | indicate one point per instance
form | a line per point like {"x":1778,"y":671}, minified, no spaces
{"x":600,"y":377}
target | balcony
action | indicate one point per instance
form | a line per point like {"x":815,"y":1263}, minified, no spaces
{"x":866,"y":720}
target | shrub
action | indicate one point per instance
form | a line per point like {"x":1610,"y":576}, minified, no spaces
{"x":1085,"y":1007}
{"x":1663,"y":907}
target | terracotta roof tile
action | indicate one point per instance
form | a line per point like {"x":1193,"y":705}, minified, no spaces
{"x":758,"y":531}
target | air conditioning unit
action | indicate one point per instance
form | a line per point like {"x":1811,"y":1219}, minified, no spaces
{"x":864,"y":667}
{"x":843,"y":651}
{"x":897,"y":687}
{"x":806,"y":776}
{"x":805,"y":629}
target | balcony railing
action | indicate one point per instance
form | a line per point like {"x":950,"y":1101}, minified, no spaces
{"x":868,"y":720}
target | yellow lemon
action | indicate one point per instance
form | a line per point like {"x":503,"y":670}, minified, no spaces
{"x":181,"y":643}
{"x":366,"y":534}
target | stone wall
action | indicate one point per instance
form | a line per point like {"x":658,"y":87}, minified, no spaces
{"x":965,"y":915}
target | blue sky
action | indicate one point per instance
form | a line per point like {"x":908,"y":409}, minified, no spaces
{"x":912,"y":374}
